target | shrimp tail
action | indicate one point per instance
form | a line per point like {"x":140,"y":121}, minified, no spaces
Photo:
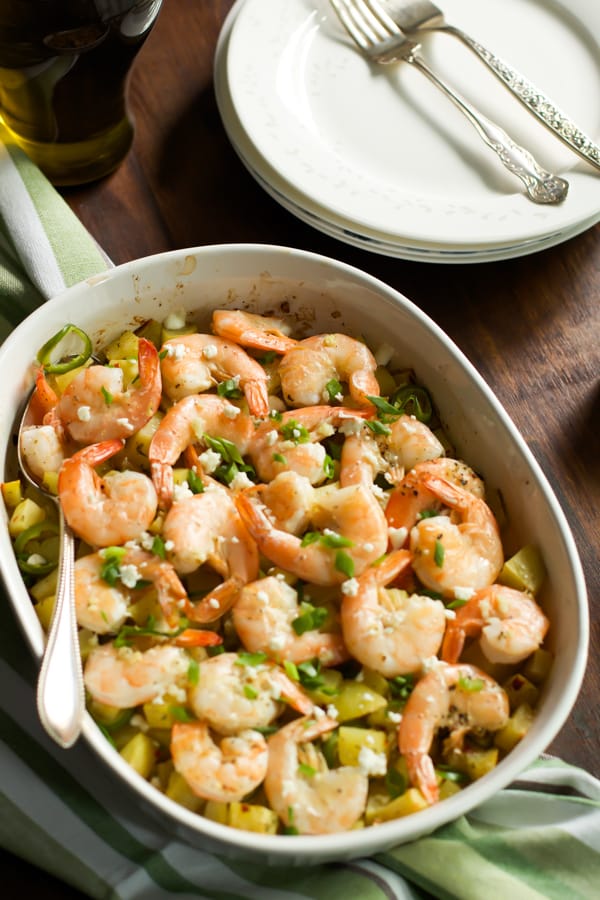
{"x":162,"y":478}
{"x":216,"y":603}
{"x":421,"y":772}
{"x":258,"y":398}
{"x":149,"y":372}
{"x":91,"y":456}
{"x":467,"y":623}
{"x":195,"y":637}
{"x":43,"y":401}
{"x":394,"y":564}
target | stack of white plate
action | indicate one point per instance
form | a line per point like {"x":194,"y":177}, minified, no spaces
{"x":377,"y":157}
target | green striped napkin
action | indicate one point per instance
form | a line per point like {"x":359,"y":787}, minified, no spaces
{"x":61,"y":811}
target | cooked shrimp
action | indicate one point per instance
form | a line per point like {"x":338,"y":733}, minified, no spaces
{"x":509,"y":623}
{"x":186,"y":423}
{"x":103,"y":511}
{"x":207,"y":528}
{"x":390,"y":631}
{"x":460,"y":698}
{"x":293,"y":442}
{"x":124,"y":677}
{"x":410,"y":498}
{"x":352,"y":513}
{"x":290,"y":498}
{"x":94,"y":407}
{"x":251,"y":330}
{"x":193,"y":363}
{"x":233,"y":694}
{"x":226,"y":772}
{"x":307,"y":368}
{"x":99,"y":606}
{"x":327,"y":801}
{"x":43,"y":449}
{"x":449,"y":557}
{"x":263,"y":615}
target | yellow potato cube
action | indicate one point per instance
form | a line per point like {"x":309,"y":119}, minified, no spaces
{"x":515,"y":729}
{"x":251,"y":817}
{"x":24,"y":515}
{"x":179,"y":790}
{"x":520,"y":690}
{"x":123,"y":347}
{"x":538,"y":666}
{"x":44,"y":610}
{"x":352,"y":740}
{"x":406,"y":804}
{"x":355,"y":699}
{"x":12,"y":493}
{"x":217,"y":812}
{"x":525,"y":571}
{"x":140,"y":753}
{"x":151,"y":330}
{"x":45,"y":587}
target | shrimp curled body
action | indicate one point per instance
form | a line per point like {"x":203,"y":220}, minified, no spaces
{"x":94,"y":407}
{"x":460,"y":698}
{"x":509,"y":623}
{"x":124,"y":678}
{"x":327,"y":801}
{"x":391,"y":634}
{"x":105,"y":511}
{"x":224,"y":772}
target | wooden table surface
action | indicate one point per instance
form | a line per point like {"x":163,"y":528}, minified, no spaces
{"x":530,"y":325}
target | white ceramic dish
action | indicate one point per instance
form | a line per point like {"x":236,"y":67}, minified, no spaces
{"x":382,"y":157}
{"x":331,"y":296}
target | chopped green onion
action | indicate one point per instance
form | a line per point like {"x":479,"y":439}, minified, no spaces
{"x":344,"y":563}
{"x":401,"y":686}
{"x":180,"y":713}
{"x":108,"y":397}
{"x":294,"y":431}
{"x":278,"y":457}
{"x":250,"y":692}
{"x":291,"y":670}
{"x":471,"y":685}
{"x":331,"y":539}
{"x":59,"y":354}
{"x":334,"y":389}
{"x":383,"y":406}
{"x":310,"y":619}
{"x":438,"y":554}
{"x":158,"y":547}
{"x":306,"y":770}
{"x":311,"y":537}
{"x":378,"y":427}
{"x":328,"y":467}
{"x":193,"y":672}
{"x":454,"y":604}
{"x":251,"y":659}
{"x":195,"y":483}
{"x":229,"y":389}
{"x":395,"y":782}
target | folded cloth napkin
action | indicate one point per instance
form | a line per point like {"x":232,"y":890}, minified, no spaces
{"x":61,"y":811}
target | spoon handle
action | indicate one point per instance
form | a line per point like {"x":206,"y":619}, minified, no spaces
{"x":60,"y":693}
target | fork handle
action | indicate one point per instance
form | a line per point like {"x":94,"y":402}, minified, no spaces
{"x":542,"y":186}
{"x":532,"y":98}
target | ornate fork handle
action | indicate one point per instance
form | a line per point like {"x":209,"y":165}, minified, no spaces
{"x":535,"y":101}
{"x":542,"y":186}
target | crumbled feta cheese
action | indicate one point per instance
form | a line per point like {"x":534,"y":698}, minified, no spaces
{"x":349,"y":587}
{"x":129,"y":574}
{"x":175,"y":320}
{"x":350,"y":427}
{"x":394,"y":717}
{"x":36,"y":559}
{"x":125,"y":423}
{"x":339,"y":397}
{"x":210,"y":351}
{"x":181,"y":491}
{"x":397,"y":537}
{"x":383,"y":354}
{"x":371,"y":763}
{"x":214,"y":603}
{"x":175,"y":351}
{"x":231,"y":411}
{"x":332,"y":711}
{"x":463,"y":593}
{"x":210,"y":460}
{"x":139,"y":721}
{"x":450,"y":613}
{"x":368,"y":547}
{"x":262,"y":596}
{"x":240,"y":481}
{"x":169,"y":545}
{"x":84,"y":413}
{"x":271,"y":438}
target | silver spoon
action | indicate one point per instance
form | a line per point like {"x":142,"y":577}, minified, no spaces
{"x":60,"y":691}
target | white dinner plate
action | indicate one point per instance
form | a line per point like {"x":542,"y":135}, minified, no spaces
{"x":378,"y":157}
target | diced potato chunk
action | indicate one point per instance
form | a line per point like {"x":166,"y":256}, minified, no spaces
{"x":137,"y":446}
{"x":45,"y":587}
{"x":473,"y":763}
{"x":123,"y":347}
{"x":62,"y":381}
{"x":525,"y":571}
{"x":140,"y":753}
{"x":537,"y":667}
{"x":355,"y":699}
{"x":387,"y":384}
{"x":152,"y":331}
{"x":12,"y":493}
{"x":406,"y":804}
{"x":352,"y":740}
{"x":109,"y":716}
{"x":159,"y":715}
{"x":168,"y":334}
{"x":520,"y":690}
{"x":217,"y":811}
{"x":129,"y":368}
{"x":252,"y":817}
{"x":44,"y":610}
{"x":24,"y":515}
{"x":515,"y":729}
{"x":448,"y":788}
{"x":179,"y":790}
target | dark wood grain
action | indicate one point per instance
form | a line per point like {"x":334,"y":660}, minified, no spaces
{"x":530,"y":325}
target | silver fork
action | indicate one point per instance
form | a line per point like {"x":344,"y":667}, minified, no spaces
{"x":422,"y":15}
{"x":381,"y":40}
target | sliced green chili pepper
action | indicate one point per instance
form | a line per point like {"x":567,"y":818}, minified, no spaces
{"x":57,"y":355}
{"x":31,"y":534}
{"x":413,"y":400}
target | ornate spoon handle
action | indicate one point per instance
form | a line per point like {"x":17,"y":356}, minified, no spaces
{"x":60,"y":691}
{"x":542,"y":186}
{"x":535,"y":101}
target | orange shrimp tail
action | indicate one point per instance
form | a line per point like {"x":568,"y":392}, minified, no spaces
{"x":43,"y":400}
{"x":162,"y":479}
{"x":453,"y":643}
{"x":422,"y":775}
{"x":150,"y":377}
{"x":264,"y":340}
{"x":258,"y":398}
{"x":195,"y":637}
{"x":216,"y":603}
{"x":252,"y":515}
{"x":468,"y":623}
{"x":94,"y":454}
{"x":394,"y":564}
